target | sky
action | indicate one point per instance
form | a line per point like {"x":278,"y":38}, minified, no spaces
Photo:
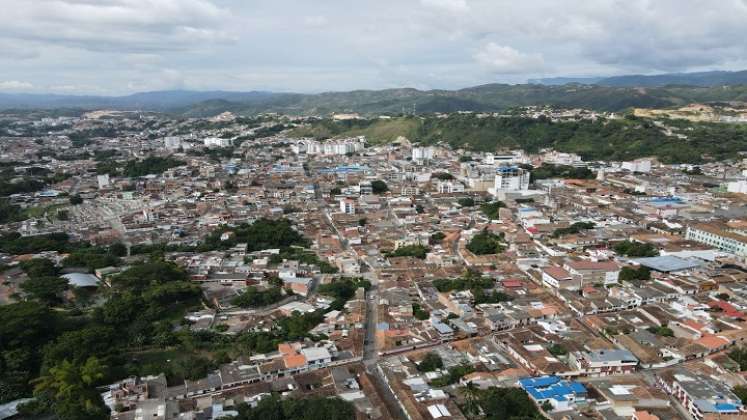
{"x":117,"y":47}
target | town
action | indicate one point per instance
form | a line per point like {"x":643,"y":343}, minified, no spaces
{"x":208,"y":268}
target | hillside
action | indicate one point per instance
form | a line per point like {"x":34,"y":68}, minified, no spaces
{"x":491,"y":97}
{"x":620,"y":139}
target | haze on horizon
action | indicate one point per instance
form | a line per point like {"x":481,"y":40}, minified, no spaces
{"x":114,"y":47}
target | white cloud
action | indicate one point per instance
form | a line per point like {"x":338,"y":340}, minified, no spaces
{"x":15,"y":85}
{"x":454,"y":6}
{"x":506,"y":60}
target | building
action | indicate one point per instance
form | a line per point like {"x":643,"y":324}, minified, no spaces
{"x":604,"y":362}
{"x":217,"y":142}
{"x":347,"y":205}
{"x":561,"y":394}
{"x":721,"y":237}
{"x":103,"y":181}
{"x":448,"y":187}
{"x":172,"y":142}
{"x":737,"y":187}
{"x":510,"y":178}
{"x":639,"y":165}
{"x":591,"y":272}
{"x":420,"y":154}
{"x":559,"y":278}
{"x":702,"y":396}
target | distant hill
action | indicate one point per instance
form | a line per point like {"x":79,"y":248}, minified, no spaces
{"x":707,"y":78}
{"x":610,"y":94}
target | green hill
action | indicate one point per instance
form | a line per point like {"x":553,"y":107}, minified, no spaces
{"x":619,"y":139}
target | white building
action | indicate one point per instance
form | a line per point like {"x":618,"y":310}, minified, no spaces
{"x":420,"y":154}
{"x":172,"y":142}
{"x":509,"y":179}
{"x":737,"y":187}
{"x":347,"y":205}
{"x":103,"y":181}
{"x":638,"y":165}
{"x":448,"y":187}
{"x":217,"y":142}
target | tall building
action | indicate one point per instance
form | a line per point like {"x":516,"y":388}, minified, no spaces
{"x":722,"y":238}
{"x":103,"y":181}
{"x":420,"y":154}
{"x":510,"y":178}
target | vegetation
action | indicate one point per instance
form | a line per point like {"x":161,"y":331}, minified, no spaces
{"x":739,"y":355}
{"x":260,"y":235}
{"x":444,"y":176}
{"x":661,"y":330}
{"x":379,"y":187}
{"x":419,"y":313}
{"x":561,"y":171}
{"x":436,"y":238}
{"x":476,"y":284}
{"x":557,"y":350}
{"x":150,"y":165}
{"x":621,"y":139}
{"x":573,"y":229}
{"x":504,"y":404}
{"x":635,"y":274}
{"x":466,"y":202}
{"x":343,"y":289}
{"x":635,"y":249}
{"x":304,"y":256}
{"x":485,"y":243}
{"x":10,"y":213}
{"x":453,"y":375}
{"x":417,"y":251}
{"x":741,"y":392}
{"x":431,"y":361}
{"x":308,"y":408}
{"x":491,"y":210}
{"x":253,"y":297}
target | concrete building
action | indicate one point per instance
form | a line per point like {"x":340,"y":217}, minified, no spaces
{"x":510,"y":179}
{"x":720,"y":237}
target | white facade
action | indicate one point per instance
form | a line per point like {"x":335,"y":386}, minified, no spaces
{"x":329,"y":148}
{"x":640,"y":165}
{"x":103,"y":181}
{"x":217,"y":142}
{"x":737,"y":187}
{"x":172,"y":142}
{"x":510,"y":179}
{"x":422,"y":153}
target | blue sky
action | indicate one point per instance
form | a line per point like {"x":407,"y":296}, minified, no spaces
{"x":114,"y":47}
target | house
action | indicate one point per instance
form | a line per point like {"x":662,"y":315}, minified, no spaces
{"x":604,"y":272}
{"x":559,"y":278}
{"x":561,"y":394}
{"x":604,"y":362}
{"x":702,"y":396}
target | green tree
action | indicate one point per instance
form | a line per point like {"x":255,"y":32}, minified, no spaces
{"x":379,"y":187}
{"x":431,"y":361}
{"x":47,"y":289}
{"x":485,"y":243}
{"x":72,"y":390}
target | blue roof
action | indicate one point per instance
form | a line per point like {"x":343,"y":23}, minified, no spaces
{"x":721,"y":407}
{"x":551,"y":387}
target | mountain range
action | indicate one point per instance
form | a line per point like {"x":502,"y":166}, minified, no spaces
{"x":603,"y":94}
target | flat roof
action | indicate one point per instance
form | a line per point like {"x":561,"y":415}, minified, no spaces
{"x":667,"y":263}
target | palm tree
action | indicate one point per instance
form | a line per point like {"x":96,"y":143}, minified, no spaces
{"x":471,"y":394}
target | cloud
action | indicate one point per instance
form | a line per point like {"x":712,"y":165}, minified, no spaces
{"x":453,"y":6}
{"x":118,"y":46}
{"x":506,"y":60}
{"x":15,"y":85}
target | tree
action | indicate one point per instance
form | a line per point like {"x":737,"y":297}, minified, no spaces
{"x":431,"y":361}
{"x":71,"y":388}
{"x":492,"y":210}
{"x":466,"y":202}
{"x":335,"y":191}
{"x":635,"y":274}
{"x":471,"y":394}
{"x":436,"y":238}
{"x":635,"y":249}
{"x":76,"y":199}
{"x":485,"y":243}
{"x":362,"y":222}
{"x":417,"y":251}
{"x":379,"y":187}
{"x":741,"y":392}
{"x":47,"y":289}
